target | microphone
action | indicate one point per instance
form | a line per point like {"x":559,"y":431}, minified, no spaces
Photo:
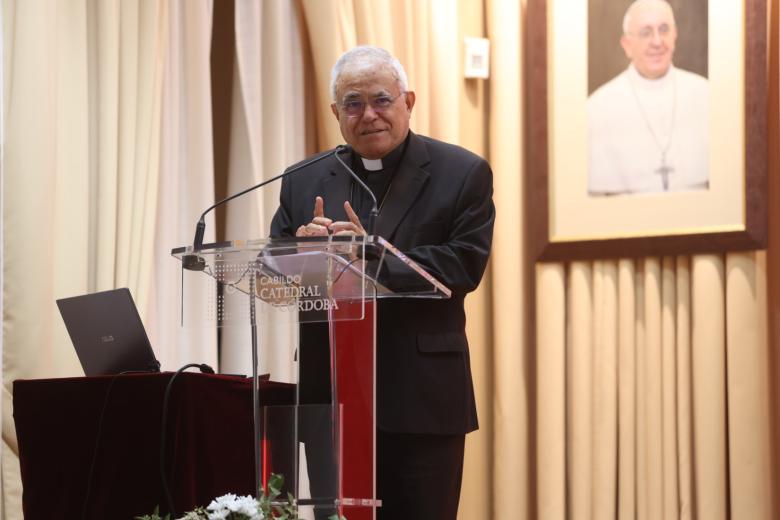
{"x":375,"y":209}
{"x":194,"y":262}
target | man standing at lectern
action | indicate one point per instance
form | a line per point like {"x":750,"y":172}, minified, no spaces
{"x":435,"y":205}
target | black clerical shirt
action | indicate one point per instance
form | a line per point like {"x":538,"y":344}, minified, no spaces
{"x":379,"y":181}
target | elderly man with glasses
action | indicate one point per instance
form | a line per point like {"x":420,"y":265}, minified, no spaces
{"x":648,"y":128}
{"x":435,"y":204}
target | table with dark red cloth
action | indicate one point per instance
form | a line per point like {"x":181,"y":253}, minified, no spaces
{"x":209,"y":449}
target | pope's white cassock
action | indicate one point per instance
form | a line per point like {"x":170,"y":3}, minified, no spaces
{"x":649,"y":135}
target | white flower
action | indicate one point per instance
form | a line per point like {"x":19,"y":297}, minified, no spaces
{"x":221,"y":507}
{"x":219,"y":515}
{"x":221,"y":502}
{"x":246,"y":505}
{"x":192,"y":515}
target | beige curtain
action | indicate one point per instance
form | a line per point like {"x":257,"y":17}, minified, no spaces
{"x":510,"y":390}
{"x":653,"y":393}
{"x":185,"y":189}
{"x":423,"y":35}
{"x":99,"y":165}
{"x":267,"y":134}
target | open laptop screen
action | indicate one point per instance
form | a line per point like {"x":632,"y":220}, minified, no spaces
{"x":107,"y":333}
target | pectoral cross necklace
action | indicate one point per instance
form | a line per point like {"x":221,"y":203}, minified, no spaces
{"x":665,"y":169}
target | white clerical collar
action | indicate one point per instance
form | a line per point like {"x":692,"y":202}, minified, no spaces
{"x":643,"y":82}
{"x":372,"y":165}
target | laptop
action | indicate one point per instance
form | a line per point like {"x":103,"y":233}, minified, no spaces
{"x":107,"y":333}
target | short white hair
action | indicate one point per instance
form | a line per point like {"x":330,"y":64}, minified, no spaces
{"x":366,"y":57}
{"x":639,"y":3}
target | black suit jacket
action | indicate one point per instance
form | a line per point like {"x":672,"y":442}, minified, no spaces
{"x":439,"y":211}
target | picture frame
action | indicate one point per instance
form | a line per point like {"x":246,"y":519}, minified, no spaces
{"x":568,"y":223}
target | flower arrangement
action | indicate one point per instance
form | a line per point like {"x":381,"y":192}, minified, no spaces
{"x":232,"y":507}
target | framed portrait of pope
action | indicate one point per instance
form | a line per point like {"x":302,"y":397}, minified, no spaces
{"x":646,"y":126}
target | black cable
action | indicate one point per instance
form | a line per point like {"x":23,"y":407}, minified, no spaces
{"x":344,"y":269}
{"x":98,"y":437}
{"x":163,"y":427}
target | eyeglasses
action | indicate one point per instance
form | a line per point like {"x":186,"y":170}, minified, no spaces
{"x":356,"y":107}
{"x":646,"y":33}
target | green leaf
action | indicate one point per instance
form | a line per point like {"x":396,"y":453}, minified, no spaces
{"x":275,"y":485}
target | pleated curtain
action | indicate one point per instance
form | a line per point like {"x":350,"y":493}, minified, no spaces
{"x":267,"y":133}
{"x":106,"y":165}
{"x":616,"y":388}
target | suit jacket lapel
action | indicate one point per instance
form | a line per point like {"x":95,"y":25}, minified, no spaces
{"x":406,"y":185}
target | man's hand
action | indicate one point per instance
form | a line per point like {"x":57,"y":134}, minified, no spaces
{"x":353,"y":227}
{"x":319,"y":224}
{"x":323,"y":226}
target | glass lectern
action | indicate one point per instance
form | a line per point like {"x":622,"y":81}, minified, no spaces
{"x":335,"y":280}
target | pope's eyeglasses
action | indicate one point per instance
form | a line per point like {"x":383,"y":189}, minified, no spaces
{"x":647,"y":32}
{"x":356,"y":106}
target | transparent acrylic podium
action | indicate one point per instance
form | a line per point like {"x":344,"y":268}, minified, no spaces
{"x":326,"y":451}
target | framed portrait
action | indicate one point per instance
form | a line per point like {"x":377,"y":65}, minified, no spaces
{"x":646,"y":126}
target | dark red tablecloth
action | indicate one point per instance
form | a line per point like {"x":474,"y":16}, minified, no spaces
{"x":209,"y":442}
